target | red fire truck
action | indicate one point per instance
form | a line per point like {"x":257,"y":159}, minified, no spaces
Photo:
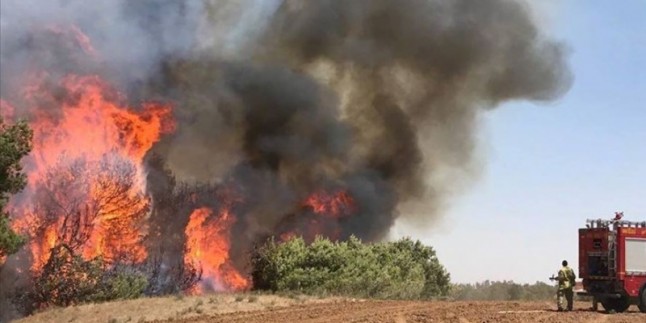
{"x":612,"y":263}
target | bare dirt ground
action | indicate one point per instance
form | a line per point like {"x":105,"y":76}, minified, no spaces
{"x":402,"y":311}
{"x":166,"y":309}
{"x":270,"y":308}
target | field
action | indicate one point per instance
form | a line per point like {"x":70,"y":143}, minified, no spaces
{"x":271,"y":308}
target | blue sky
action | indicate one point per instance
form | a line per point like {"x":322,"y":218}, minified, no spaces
{"x":550,"y":167}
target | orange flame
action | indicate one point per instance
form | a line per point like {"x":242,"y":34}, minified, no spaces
{"x":335,"y":205}
{"x":86,"y":182}
{"x":91,"y":123}
{"x":94,"y":147}
{"x":329,"y":209}
{"x":208,"y":243}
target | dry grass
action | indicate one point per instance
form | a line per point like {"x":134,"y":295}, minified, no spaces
{"x":163,"y":308}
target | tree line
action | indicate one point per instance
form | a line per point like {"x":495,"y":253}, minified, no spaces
{"x":503,"y":291}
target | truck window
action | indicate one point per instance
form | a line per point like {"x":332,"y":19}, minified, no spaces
{"x":635,"y":255}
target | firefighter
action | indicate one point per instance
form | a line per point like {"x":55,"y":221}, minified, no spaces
{"x":566,"y":279}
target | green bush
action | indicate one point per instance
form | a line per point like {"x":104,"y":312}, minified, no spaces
{"x":120,"y":283}
{"x":10,"y":242}
{"x":15,"y":143}
{"x":403,"y":269}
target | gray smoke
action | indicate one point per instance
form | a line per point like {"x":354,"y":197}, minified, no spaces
{"x":380,"y":97}
{"x":130,"y":37}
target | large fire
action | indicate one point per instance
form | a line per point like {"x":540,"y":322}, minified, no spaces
{"x":86,"y":175}
{"x":87,"y":161}
{"x":208,"y":242}
{"x":86,"y":181}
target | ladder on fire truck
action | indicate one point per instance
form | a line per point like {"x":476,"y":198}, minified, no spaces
{"x":612,"y":225}
{"x":612,"y":253}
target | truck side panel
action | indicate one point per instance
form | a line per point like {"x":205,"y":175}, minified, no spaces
{"x":632,"y":259}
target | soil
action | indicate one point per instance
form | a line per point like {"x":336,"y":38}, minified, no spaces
{"x":406,"y":311}
{"x":271,"y":308}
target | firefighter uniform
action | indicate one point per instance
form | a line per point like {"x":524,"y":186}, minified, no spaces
{"x":566,"y":280}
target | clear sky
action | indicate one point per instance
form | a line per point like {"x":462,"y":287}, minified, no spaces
{"x":550,"y":167}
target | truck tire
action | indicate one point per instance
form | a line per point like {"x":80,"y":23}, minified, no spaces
{"x":618,"y":305}
{"x":642,"y":300}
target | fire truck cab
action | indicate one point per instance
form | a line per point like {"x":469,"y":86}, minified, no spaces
{"x":612,"y":263}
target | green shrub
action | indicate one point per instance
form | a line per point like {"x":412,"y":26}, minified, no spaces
{"x":120,"y":283}
{"x":10,"y":241}
{"x":15,"y":143}
{"x":403,"y":269}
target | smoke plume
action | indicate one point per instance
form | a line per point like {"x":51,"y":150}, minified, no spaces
{"x":378,"y":96}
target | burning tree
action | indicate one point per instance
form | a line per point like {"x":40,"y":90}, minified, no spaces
{"x":93,"y":207}
{"x":88,"y":226}
{"x":84,"y":227}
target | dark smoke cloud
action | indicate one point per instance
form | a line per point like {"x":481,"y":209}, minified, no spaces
{"x":416,"y":73}
{"x":400,"y":83}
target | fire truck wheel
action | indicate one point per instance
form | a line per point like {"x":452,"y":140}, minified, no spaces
{"x":642,"y":301}
{"x":619,"y":305}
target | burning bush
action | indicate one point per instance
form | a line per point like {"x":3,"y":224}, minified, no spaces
{"x":87,"y":229}
{"x":68,"y":279}
{"x":401,"y":269}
